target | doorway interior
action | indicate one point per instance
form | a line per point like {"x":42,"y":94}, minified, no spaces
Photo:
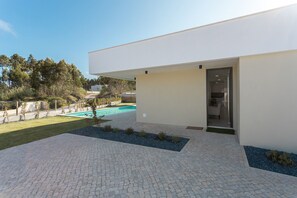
{"x":219,"y":98}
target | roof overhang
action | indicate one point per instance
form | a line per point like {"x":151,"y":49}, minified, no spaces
{"x":265,"y":32}
{"x":133,"y":73}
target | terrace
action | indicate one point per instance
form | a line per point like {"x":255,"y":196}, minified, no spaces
{"x":69,"y":165}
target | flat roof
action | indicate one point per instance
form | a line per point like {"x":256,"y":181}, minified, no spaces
{"x":195,"y":28}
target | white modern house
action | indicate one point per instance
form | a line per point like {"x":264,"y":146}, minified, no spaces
{"x":96,"y":87}
{"x":240,"y":74}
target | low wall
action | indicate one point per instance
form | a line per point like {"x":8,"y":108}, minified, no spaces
{"x":129,"y":99}
{"x":30,"y":107}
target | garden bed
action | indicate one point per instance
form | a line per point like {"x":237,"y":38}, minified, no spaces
{"x":257,"y":159}
{"x":150,"y":140}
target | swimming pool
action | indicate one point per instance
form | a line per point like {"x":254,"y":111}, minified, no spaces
{"x":103,"y":112}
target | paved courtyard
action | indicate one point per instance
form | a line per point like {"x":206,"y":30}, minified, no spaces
{"x":67,"y":165}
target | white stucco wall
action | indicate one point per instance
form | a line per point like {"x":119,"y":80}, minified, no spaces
{"x":268,"y":101}
{"x":265,"y":32}
{"x":236,"y":99}
{"x":177,"y":98}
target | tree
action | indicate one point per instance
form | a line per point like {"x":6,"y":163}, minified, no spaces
{"x":31,"y":62}
{"x":115,"y":87}
{"x":5,"y":76}
{"x":33,"y":68}
{"x":104,"y":80}
{"x":87,"y":83}
{"x":93,"y":104}
{"x":4,"y":63}
{"x":44,"y":78}
{"x":35,"y":76}
{"x":18,"y":74}
{"x":18,"y":77}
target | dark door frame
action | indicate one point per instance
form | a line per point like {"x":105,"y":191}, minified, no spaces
{"x":230,"y":95}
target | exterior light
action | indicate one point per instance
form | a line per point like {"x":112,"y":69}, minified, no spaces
{"x":200,"y":66}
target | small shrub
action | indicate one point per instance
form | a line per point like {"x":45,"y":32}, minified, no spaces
{"x":115,"y":130}
{"x":93,"y":105}
{"x":8,"y":105}
{"x":16,"y":93}
{"x":79,"y":93}
{"x":60,"y":102}
{"x":161,"y":136}
{"x":175,"y":139}
{"x":142,"y":134}
{"x":107,"y":128}
{"x":71,"y":99}
{"x":272,"y":155}
{"x":129,"y":131}
{"x":283,"y":158}
{"x":28,"y":99}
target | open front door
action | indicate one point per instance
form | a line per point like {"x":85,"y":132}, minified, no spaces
{"x":219,"y":97}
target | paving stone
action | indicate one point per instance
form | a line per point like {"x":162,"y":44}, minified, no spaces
{"x":67,"y":165}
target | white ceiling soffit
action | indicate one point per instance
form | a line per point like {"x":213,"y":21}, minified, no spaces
{"x":131,"y":74}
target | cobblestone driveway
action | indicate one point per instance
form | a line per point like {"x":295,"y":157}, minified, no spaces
{"x":210,"y":165}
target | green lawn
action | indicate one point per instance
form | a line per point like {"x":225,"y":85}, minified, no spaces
{"x":17,"y":133}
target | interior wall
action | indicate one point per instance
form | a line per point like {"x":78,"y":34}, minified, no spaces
{"x":268,"y":98}
{"x":177,"y":98}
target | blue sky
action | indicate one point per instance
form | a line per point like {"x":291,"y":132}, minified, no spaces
{"x":69,"y":29}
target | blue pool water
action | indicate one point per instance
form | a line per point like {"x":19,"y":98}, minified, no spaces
{"x":103,"y":112}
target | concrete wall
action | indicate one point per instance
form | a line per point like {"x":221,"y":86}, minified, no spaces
{"x":268,"y":101}
{"x":177,"y":98}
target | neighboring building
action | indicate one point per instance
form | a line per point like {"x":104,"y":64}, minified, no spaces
{"x":239,"y":73}
{"x":96,"y":87}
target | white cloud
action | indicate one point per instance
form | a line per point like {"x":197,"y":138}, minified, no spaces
{"x":6,"y":27}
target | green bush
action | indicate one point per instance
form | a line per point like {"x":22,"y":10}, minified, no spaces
{"x":115,"y":130}
{"x":281,"y":158}
{"x":142,"y":134}
{"x":129,"y":131}
{"x":28,"y":99}
{"x":79,"y":93}
{"x":71,"y":99}
{"x":175,"y":139}
{"x":4,"y":105}
{"x":107,"y":128}
{"x":161,"y":136}
{"x":16,"y":93}
{"x":8,"y":105}
{"x":106,"y":101}
{"x":115,"y":99}
{"x":60,"y":102}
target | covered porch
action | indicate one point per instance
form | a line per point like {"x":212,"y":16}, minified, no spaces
{"x":196,"y":94}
